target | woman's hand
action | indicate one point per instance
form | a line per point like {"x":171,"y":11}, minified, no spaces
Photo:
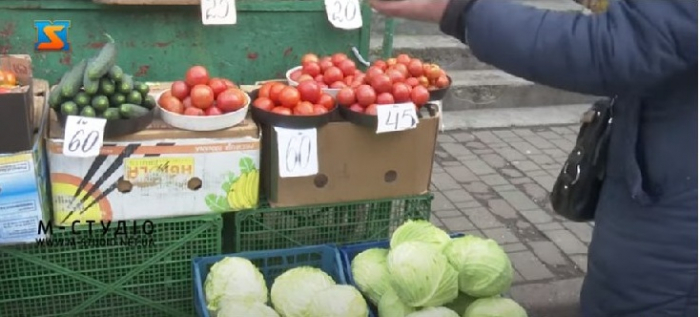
{"x":421,"y":10}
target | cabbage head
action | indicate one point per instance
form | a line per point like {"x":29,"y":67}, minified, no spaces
{"x":484,"y":268}
{"x":338,"y":301}
{"x":460,"y":304}
{"x":235,"y":279}
{"x":421,"y":275}
{"x":436,"y":312}
{"x":293,"y":290}
{"x":371,"y":274}
{"x":419,"y":230}
{"x":495,"y":307}
{"x":235,"y":308}
{"x":391,"y":305}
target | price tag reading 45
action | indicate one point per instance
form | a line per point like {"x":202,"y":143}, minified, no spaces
{"x":396,"y":117}
{"x":344,"y":14}
{"x":218,"y":12}
{"x":297,"y":152}
{"x":83,"y":136}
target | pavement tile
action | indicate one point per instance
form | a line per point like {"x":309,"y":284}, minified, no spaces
{"x":548,"y":253}
{"x":486,"y":136}
{"x":483,"y":151}
{"x":445,"y":182}
{"x":457,"y":224}
{"x":505,"y":134}
{"x":540,"y":159}
{"x":521,"y":180}
{"x":525,"y":148}
{"x":456,"y":149}
{"x":583,"y":231}
{"x":461,"y":174}
{"x":556,"y":154}
{"x":549,"y":226}
{"x":535,"y":173}
{"x":501,"y":208}
{"x":519,"y":200}
{"x":523,"y":132}
{"x":442,"y":214}
{"x":475,"y":145}
{"x":511,"y":172}
{"x":444,"y":138}
{"x":494,"y":160}
{"x":566,"y":241}
{"x":548,"y":135}
{"x":501,"y":235}
{"x":540,"y":143}
{"x":529,"y":266}
{"x":563,"y":144}
{"x":494,"y":179}
{"x":536,"y":192}
{"x":546,"y":181}
{"x":476,"y":187}
{"x":514,"y":247}
{"x":458,"y":195}
{"x":436,"y":221}
{"x":526,"y":166}
{"x":581,"y":262}
{"x":482,"y":218}
{"x":536,"y":216}
{"x":478,"y":167}
{"x":468,"y":205}
{"x":549,"y":299}
{"x":450,"y":163}
{"x":440,"y":202}
{"x":504,"y":188}
{"x":562,"y":130}
{"x":509,"y":153}
{"x":475,"y":233}
{"x":463,"y":136}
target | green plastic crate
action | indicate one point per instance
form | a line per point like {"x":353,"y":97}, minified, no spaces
{"x":108,"y":281}
{"x":280,"y":228}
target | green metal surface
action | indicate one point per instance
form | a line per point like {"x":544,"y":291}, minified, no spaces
{"x":159,"y":43}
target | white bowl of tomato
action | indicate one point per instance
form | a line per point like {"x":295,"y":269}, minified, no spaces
{"x":331,"y":72}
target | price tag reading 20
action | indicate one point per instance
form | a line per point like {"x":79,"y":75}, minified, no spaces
{"x":297,"y":152}
{"x":344,"y":14}
{"x":218,"y":12}
{"x":83,"y":136}
{"x":396,"y":117}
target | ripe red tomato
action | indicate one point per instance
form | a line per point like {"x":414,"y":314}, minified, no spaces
{"x":348,"y":67}
{"x":202,"y":96}
{"x":213,"y":111}
{"x":401,"y":68}
{"x":179,"y":90}
{"x":401,"y":92}
{"x":346,"y":96}
{"x":415,"y":67}
{"x":325,"y":64}
{"x":231,"y":100}
{"x":289,"y":97}
{"x":264,"y":90}
{"x":365,"y":95}
{"x":395,"y":76}
{"x":217,"y":85}
{"x":229,"y":83}
{"x":433,"y":72}
{"x":166,"y":94}
{"x":171,"y":104}
{"x":309,"y":90}
{"x":442,"y":82}
{"x":373,"y":71}
{"x":197,"y":75}
{"x":309,"y":58}
{"x":381,"y":83}
{"x":332,"y":75}
{"x":319,"y":110}
{"x":311,"y":68}
{"x":263,"y":103}
{"x":357,"y":108}
{"x":420,"y":95}
{"x":187,"y":103}
{"x":403,"y":59}
{"x":326,"y":101}
{"x":423,"y":81}
{"x":282,"y":111}
{"x":304,"y":78}
{"x":295,"y":75}
{"x":338,"y":85}
{"x":337,"y":58}
{"x":304,"y":108}
{"x":381,"y":64}
{"x":194,"y":112}
{"x":385,"y":98}
{"x":348,"y":80}
{"x":412,"y":81}
{"x":319,"y":79}
{"x":391,"y":62}
{"x":275,"y":92}
{"x":371,"y":110}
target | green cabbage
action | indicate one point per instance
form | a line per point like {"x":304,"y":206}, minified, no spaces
{"x":338,"y":301}
{"x":371,"y":273}
{"x":484,"y":268}
{"x":421,"y":275}
{"x":234,"y":278}
{"x":293,"y":290}
{"x":460,"y":304}
{"x":419,"y":230}
{"x":436,"y":312}
{"x":391,"y":305}
{"x":234,"y":308}
{"x":495,"y":307}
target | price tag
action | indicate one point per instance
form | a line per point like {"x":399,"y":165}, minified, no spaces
{"x":218,"y":12}
{"x":83,"y":136}
{"x":297,"y":152}
{"x":344,"y":14}
{"x":396,"y":117}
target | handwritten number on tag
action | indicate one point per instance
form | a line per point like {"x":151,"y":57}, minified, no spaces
{"x":344,"y":11}
{"x":83,"y":136}
{"x":298,"y":152}
{"x":218,"y":12}
{"x":396,"y":117}
{"x":344,"y":14}
{"x":218,"y":9}
{"x":83,"y":141}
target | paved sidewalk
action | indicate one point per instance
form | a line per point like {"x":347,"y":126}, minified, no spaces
{"x":495,"y":183}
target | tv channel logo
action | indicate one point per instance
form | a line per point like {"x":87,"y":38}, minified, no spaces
{"x":52,"y":35}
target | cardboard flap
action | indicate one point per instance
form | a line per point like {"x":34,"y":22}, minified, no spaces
{"x":20,"y":65}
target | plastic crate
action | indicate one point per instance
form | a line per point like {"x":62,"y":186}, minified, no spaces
{"x":281,"y":228}
{"x":272,"y":263}
{"x":110,"y":280}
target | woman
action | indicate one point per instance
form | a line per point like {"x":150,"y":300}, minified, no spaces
{"x":643,"y":257}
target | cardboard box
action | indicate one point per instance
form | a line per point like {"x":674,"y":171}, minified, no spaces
{"x":355,"y":164}
{"x":16,"y":106}
{"x":155,"y":173}
{"x":24,"y":199}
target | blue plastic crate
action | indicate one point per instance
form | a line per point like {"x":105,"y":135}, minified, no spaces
{"x":271,"y":263}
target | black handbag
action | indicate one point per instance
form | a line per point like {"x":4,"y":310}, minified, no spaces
{"x":577,"y":188}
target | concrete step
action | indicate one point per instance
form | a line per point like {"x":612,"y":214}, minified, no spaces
{"x":443,"y":50}
{"x":512,"y":117}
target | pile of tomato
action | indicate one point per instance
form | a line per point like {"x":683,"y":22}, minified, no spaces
{"x":200,"y":95}
{"x":307,"y":99}
{"x":412,"y":71}
{"x":336,"y":71}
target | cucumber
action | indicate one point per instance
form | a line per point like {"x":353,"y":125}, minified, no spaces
{"x":115,"y":73}
{"x":111,"y":114}
{"x":149,"y":102}
{"x":103,"y":62}
{"x":117,"y":100}
{"x":73,"y":80}
{"x":55,"y":98}
{"x":142,"y":88}
{"x":90,"y":86}
{"x":100,"y":103}
{"x":129,"y":111}
{"x":126,"y":85}
{"x":134,"y":97}
{"x":107,"y":87}
{"x":88,"y":111}
{"x":69,"y":108}
{"x":82,"y":99}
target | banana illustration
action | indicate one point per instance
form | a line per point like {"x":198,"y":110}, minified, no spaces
{"x":243,"y":193}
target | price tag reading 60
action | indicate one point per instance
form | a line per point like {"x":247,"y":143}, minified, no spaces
{"x":344,"y":14}
{"x":83,"y":136}
{"x":297,"y":152}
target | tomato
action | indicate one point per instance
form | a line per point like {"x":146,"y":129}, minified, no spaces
{"x":412,"y":81}
{"x":180,"y":90}
{"x":420,"y":95}
{"x":360,"y":78}
{"x":348,"y":80}
{"x":319,"y":79}
{"x":275,"y":92}
{"x":229,"y":83}
{"x":295,"y":75}
{"x":304,"y":78}
{"x":326,"y":101}
{"x":391,"y":62}
{"x":309,"y":58}
{"x":325,"y":65}
{"x":442,"y":82}
{"x":309,"y":91}
{"x":401,"y":92}
{"x":282,"y":111}
{"x":423,"y":81}
{"x":433,"y":72}
{"x":385,"y":98}
{"x":323,"y":85}
{"x":356,"y":84}
{"x":325,"y":59}
{"x":395,"y":76}
{"x":264,"y":90}
{"x":187,"y":103}
{"x":217,"y":85}
{"x":373,"y":71}
{"x":230,"y":100}
{"x":289,"y":97}
{"x":319,"y":110}
{"x":365,"y":95}
{"x":171,"y":104}
{"x":304,"y":108}
{"x":338,"y":85}
{"x":346,"y":96}
{"x":415,"y":67}
{"x":313,"y":69}
{"x":348,"y":67}
{"x":401,"y":68}
{"x":213,"y":111}
{"x":164,"y":95}
{"x":380,"y":64}
{"x":381,"y":83}
{"x":197,"y":75}
{"x":338,"y":58}
{"x":202,"y":96}
{"x":332,"y":75}
{"x":403,"y":59}
{"x":357,"y":108}
{"x":194,"y":112}
{"x":263,"y":103}
{"x":371,"y":110}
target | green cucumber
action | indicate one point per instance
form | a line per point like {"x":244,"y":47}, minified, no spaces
{"x":115,"y":73}
{"x":100,"y":103}
{"x":129,"y":111}
{"x":73,"y":80}
{"x":117,"y":100}
{"x":149,"y":102}
{"x":55,"y":98}
{"x":134,"y":97}
{"x":103,"y":62}
{"x":82,"y":99}
{"x":142,"y":88}
{"x":111,"y":114}
{"x":88,"y":111}
{"x":69,"y":108}
{"x":126,"y":85}
{"x":90,"y":86}
{"x":107,"y":87}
